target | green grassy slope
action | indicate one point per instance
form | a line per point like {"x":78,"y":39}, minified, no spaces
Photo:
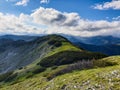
{"x":93,"y":79}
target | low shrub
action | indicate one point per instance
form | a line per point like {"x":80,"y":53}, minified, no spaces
{"x":84,"y":64}
{"x":58,"y":44}
{"x":39,"y":70}
{"x":20,"y":68}
{"x":55,"y":43}
{"x":104,"y":63}
{"x":30,"y":75}
{"x":4,"y":76}
{"x":11,"y":77}
{"x":68,"y":57}
{"x":51,"y":42}
{"x":54,"y":67}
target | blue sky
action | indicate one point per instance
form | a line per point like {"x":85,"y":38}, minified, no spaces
{"x":89,"y":12}
{"x":83,"y":7}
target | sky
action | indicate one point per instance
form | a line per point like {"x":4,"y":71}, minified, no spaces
{"x":73,"y":17}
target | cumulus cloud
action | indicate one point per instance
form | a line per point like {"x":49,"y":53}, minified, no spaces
{"x":51,"y":21}
{"x":10,"y":24}
{"x":51,"y":17}
{"x":44,"y":1}
{"x":114,"y":4}
{"x":22,"y":2}
{"x":25,"y":2}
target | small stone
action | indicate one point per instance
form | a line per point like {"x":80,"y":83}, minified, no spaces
{"x":75,"y":86}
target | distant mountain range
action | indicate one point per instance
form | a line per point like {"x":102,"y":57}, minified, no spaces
{"x":95,"y":40}
{"x":20,"y":37}
{"x":104,"y":44}
{"x":106,"y":49}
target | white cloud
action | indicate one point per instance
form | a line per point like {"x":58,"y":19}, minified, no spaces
{"x":51,"y":17}
{"x":44,"y":1}
{"x":25,"y":2}
{"x":49,"y":21}
{"x":117,"y":18}
{"x":114,"y":4}
{"x":10,"y":24}
{"x":10,"y":0}
{"x":22,"y":2}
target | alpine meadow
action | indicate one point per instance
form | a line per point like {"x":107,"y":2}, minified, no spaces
{"x":59,"y":44}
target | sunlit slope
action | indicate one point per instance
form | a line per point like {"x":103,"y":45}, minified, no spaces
{"x":99,"y":79}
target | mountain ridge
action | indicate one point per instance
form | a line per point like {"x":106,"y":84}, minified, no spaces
{"x":93,"y":40}
{"x":54,"y":59}
{"x":23,"y":53}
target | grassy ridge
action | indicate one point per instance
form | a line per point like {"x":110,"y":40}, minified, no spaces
{"x":99,"y":79}
{"x":109,"y":61}
{"x":68,"y":57}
